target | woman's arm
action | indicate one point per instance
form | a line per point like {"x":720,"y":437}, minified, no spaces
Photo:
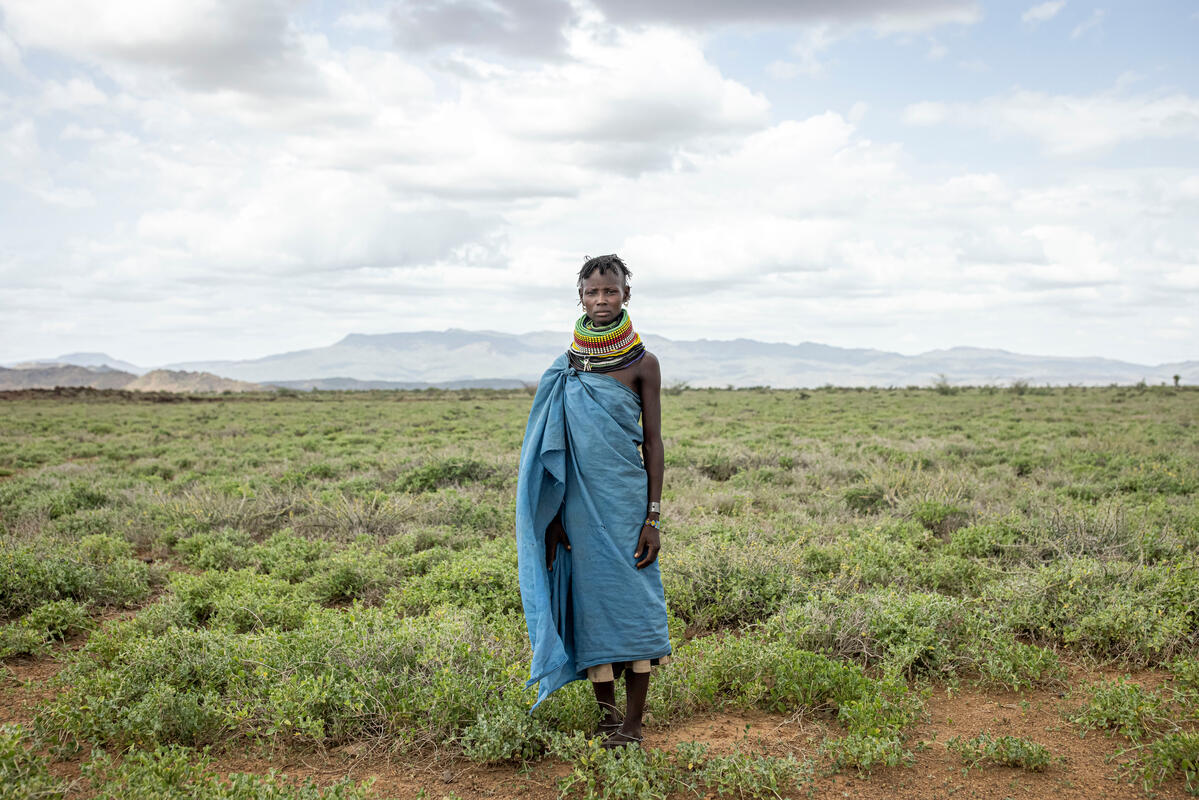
{"x":652,"y":452}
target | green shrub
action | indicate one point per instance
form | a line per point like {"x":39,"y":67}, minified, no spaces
{"x":17,"y":640}
{"x":177,"y":773}
{"x":354,"y":573}
{"x":58,"y":620}
{"x":639,"y":774}
{"x":727,"y":582}
{"x":23,"y":773}
{"x":241,"y":601}
{"x":761,"y":670}
{"x":482,"y":578}
{"x":221,"y":549}
{"x":361,"y":672}
{"x":33,"y":573}
{"x":76,"y":496}
{"x":915,"y":633}
{"x":1174,"y":755}
{"x":984,"y":540}
{"x":866,"y":499}
{"x":291,"y":557}
{"x":1121,"y":706}
{"x":718,"y":467}
{"x":1006,"y":751}
{"x":506,"y":733}
{"x":445,"y":472}
{"x":940,"y":518}
{"x":1141,"y":613}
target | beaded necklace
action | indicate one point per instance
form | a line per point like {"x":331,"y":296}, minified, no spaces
{"x":605,"y":349}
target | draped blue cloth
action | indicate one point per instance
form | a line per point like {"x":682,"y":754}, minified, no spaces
{"x":581,"y":457}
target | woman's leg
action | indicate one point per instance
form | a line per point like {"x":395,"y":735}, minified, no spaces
{"x":636,"y":686}
{"x":603,"y":683}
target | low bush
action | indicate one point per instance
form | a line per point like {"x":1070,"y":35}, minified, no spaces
{"x":638,"y":774}
{"x":23,"y":773}
{"x":440,"y":473}
{"x":720,"y":583}
{"x":97,"y":569}
{"x":1138,"y":613}
{"x":357,"y":673}
{"x":1174,"y":755}
{"x":915,"y":634}
{"x":178,"y":773}
{"x":761,"y":670}
{"x":1006,"y":751}
{"x":241,"y":601}
{"x":482,"y":578}
{"x":1122,"y":706}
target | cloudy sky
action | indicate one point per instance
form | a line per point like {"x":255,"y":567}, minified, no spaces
{"x":194,"y":179}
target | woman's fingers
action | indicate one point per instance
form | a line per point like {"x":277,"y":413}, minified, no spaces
{"x":651,"y":555}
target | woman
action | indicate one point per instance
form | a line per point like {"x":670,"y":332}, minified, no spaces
{"x":588,"y":509}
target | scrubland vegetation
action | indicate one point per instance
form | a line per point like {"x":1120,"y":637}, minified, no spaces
{"x":303,"y":572}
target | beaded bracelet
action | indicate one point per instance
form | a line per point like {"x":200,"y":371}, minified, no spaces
{"x":653,"y":523}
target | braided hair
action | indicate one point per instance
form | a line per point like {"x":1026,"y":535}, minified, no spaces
{"x":603,"y":265}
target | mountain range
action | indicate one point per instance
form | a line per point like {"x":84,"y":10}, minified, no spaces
{"x":459,"y":359}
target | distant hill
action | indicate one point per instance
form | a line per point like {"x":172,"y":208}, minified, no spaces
{"x":471,"y":356}
{"x":87,"y":360}
{"x":104,"y":378}
{"x":166,"y":380}
{"x":353,"y":384}
{"x":47,"y":377}
{"x":467,"y":359}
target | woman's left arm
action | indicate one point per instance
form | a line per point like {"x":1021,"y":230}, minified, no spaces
{"x":652,"y":452}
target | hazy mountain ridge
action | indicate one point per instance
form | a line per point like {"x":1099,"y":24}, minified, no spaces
{"x":104,"y":377}
{"x":459,"y":358}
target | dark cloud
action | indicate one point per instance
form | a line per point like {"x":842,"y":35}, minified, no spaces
{"x":521,"y":28}
{"x":903,"y":13}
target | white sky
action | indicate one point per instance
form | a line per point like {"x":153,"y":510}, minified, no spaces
{"x":200,"y":179}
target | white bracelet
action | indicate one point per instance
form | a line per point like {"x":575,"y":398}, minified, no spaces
{"x":655,"y":508}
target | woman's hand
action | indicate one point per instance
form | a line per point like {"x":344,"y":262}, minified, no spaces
{"x":554,"y":533}
{"x":650,"y":544}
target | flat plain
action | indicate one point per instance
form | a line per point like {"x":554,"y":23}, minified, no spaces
{"x":925,"y":592}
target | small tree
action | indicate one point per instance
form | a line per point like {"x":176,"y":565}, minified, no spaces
{"x":1177,"y":378}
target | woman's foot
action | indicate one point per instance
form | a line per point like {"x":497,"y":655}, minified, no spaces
{"x":624,"y":736}
{"x":620,"y":739}
{"x":607,"y":727}
{"x":611,"y":721}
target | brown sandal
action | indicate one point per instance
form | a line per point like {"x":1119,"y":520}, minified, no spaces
{"x":619,"y":739}
{"x":605,"y":729}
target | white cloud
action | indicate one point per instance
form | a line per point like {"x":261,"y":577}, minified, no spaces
{"x":392,"y":190}
{"x":1070,"y":124}
{"x":1091,"y":23}
{"x":1042,"y":12}
{"x":10,"y":54}
{"x":926,"y":113}
{"x":72,"y":94}
{"x":889,"y":16}
{"x":206,"y":44}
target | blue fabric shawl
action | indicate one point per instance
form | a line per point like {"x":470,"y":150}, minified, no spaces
{"x":580,"y":456}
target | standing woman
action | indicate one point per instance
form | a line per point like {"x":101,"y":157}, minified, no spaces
{"x":587,"y":510}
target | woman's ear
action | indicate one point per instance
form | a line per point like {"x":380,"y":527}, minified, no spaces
{"x":627,"y":294}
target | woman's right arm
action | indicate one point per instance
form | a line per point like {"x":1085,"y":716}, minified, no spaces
{"x":554,"y":533}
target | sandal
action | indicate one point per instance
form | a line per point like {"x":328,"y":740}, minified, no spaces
{"x":620,"y":739}
{"x":607,"y":728}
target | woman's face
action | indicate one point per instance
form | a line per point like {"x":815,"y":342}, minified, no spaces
{"x":602,"y":295}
